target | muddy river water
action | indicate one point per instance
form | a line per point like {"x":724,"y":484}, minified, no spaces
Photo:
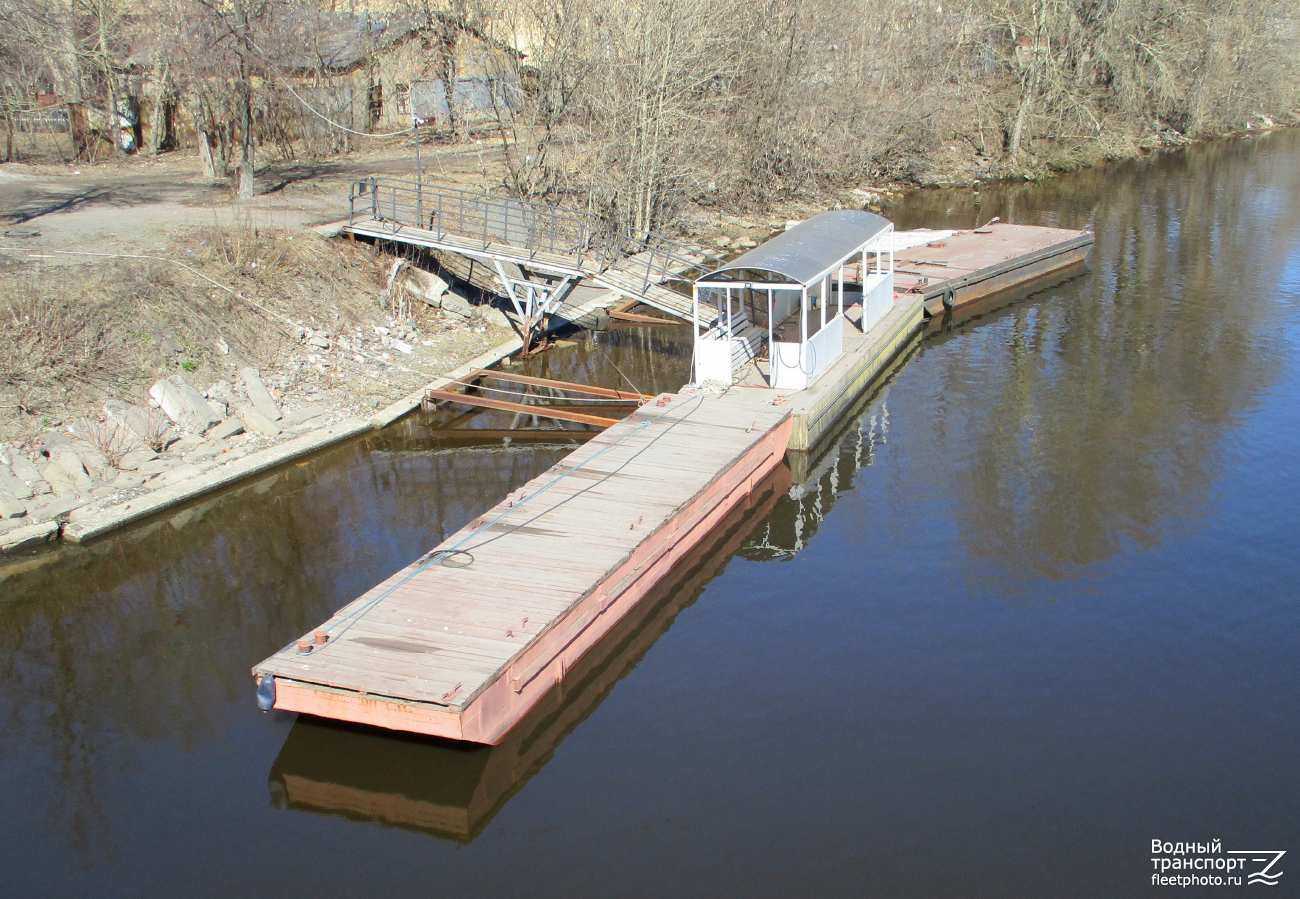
{"x":1034,"y":607}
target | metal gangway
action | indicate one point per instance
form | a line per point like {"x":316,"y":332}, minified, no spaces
{"x":539,"y":252}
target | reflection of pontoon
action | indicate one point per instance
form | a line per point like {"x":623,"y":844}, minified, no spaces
{"x":454,"y":789}
{"x":817,"y":478}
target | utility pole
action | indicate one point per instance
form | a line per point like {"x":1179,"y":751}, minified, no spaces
{"x":419,"y":179}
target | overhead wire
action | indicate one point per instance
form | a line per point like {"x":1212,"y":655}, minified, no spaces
{"x":320,"y":115}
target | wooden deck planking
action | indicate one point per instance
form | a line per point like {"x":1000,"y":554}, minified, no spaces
{"x":599,"y":508}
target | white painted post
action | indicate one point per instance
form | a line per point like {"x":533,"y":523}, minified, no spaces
{"x":825,"y":295}
{"x":840,"y":310}
{"x":695,"y":310}
{"x":803,"y":328}
{"x":771,"y":349}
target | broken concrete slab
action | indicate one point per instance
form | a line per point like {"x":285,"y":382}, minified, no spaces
{"x":128,"y":480}
{"x":228,"y":428}
{"x":14,"y":484}
{"x":137,"y":457}
{"x":93,"y":523}
{"x":26,"y":537}
{"x":183,"y":404}
{"x":205,"y":450}
{"x":54,"y":507}
{"x":425,"y":286}
{"x":187,"y":443}
{"x":306,"y":413}
{"x":184,"y":472}
{"x":63,"y":459}
{"x":258,"y":395}
{"x":94,"y":461}
{"x":494,"y":317}
{"x":10,"y":505}
{"x":23,"y":467}
{"x":457,"y":305}
{"x":156,"y":466}
{"x":258,"y":423}
{"x":135,"y":419}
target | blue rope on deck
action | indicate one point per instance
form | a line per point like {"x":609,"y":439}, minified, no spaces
{"x":439,"y":556}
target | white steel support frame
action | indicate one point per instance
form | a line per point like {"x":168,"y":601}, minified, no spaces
{"x":531,"y":299}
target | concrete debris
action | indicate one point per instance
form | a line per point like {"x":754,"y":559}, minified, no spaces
{"x":494,"y":317}
{"x":64,"y":459}
{"x":184,"y":472}
{"x":91,"y":458}
{"x":26,"y":537}
{"x":24,"y":468}
{"x":10,"y":506}
{"x":425,"y":286}
{"x":183,"y":404}
{"x":50,"y":439}
{"x":307,"y":413}
{"x":128,"y":480}
{"x":138,"y":456}
{"x":258,"y":423}
{"x":317,"y":340}
{"x":258,"y":395}
{"x":187,"y":444}
{"x":133,"y":418}
{"x":54,"y":508}
{"x":14,"y":484}
{"x":205,"y":450}
{"x":156,"y":466}
{"x":457,"y":305}
{"x":228,"y":428}
{"x":402,"y":347}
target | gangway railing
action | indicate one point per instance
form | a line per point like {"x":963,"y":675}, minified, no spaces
{"x":483,"y":218}
{"x":488,"y":219}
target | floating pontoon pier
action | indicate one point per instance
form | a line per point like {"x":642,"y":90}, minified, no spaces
{"x":465,"y":640}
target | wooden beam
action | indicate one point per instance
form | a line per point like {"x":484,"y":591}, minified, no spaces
{"x":560,"y":385}
{"x":485,"y":436}
{"x":504,"y":406}
{"x":639,"y":319}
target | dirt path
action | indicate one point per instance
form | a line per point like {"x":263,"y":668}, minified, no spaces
{"x":132,"y":205}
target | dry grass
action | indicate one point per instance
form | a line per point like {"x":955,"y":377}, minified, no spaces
{"x":111,"y":439}
{"x":75,"y":336}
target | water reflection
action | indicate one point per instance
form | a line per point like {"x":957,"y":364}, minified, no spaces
{"x":1085,"y":420}
{"x":1065,"y":437}
{"x":451,"y":789}
{"x":150,"y":633}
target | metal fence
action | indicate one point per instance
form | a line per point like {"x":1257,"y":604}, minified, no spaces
{"x":487,"y":219}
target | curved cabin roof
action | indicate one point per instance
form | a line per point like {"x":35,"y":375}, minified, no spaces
{"x":808,"y":249}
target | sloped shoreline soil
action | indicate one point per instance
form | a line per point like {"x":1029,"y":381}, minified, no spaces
{"x":131,"y":375}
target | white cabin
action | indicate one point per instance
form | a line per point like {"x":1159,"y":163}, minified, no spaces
{"x":785,"y":299}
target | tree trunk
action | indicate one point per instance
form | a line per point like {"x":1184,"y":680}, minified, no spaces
{"x":106,"y":63}
{"x":246,"y":98}
{"x":205,"y":154}
{"x":78,"y":130}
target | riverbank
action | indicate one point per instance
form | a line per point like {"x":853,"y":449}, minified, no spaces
{"x":79,"y":478}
